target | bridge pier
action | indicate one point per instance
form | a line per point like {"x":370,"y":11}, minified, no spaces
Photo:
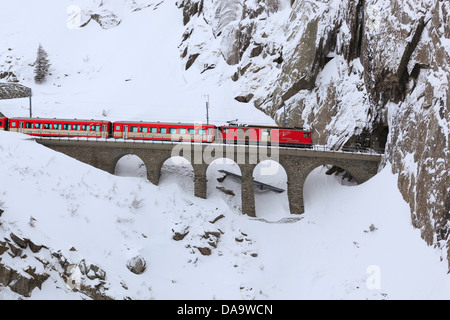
{"x":295,"y":197}
{"x":248,"y":190}
{"x":200,"y":181}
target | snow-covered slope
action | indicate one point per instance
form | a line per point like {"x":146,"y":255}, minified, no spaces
{"x":130,"y":71}
{"x":348,"y":245}
{"x":130,"y":59}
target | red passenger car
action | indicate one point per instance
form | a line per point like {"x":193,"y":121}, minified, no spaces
{"x":61,"y":128}
{"x":286,"y":137}
{"x":163,"y":131}
{"x":3,"y":123}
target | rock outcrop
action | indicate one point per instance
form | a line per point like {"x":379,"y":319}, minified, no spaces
{"x":358,"y":72}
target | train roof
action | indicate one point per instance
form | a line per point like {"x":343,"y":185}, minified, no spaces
{"x":163,"y":123}
{"x":56,"y":119}
{"x":267,"y":127}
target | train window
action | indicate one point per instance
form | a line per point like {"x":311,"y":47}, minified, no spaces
{"x":201,"y":131}
{"x":95,"y":127}
{"x":57,"y":126}
{"x":153,"y":130}
{"x":191,"y":131}
{"x":143,"y":129}
{"x":29,"y":125}
{"x":133,"y":129}
{"x":66,"y":126}
{"x":162,"y":130}
{"x":85,"y":127}
{"x":172,"y":130}
{"x":13,"y":124}
{"x":182,"y":131}
{"x":38,"y":125}
{"x":76,"y":127}
{"x":306,"y":134}
{"x":47,"y":126}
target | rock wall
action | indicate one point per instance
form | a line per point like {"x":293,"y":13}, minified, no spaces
{"x":13,"y":90}
{"x":358,"y":72}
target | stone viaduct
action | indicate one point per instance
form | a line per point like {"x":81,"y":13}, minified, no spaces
{"x":298,"y":163}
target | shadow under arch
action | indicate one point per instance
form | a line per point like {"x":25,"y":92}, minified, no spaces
{"x":226,"y":187}
{"x":271,"y":204}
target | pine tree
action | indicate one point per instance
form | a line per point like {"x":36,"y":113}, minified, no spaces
{"x":41,"y":65}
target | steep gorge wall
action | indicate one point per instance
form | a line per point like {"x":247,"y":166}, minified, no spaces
{"x":356,"y":72}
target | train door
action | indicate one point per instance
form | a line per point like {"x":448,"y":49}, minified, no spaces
{"x":21,"y":126}
{"x":104,"y":131}
{"x":265,"y":136}
{"x":210,"y":135}
{"x":125,"y":131}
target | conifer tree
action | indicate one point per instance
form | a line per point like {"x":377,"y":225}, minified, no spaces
{"x":41,"y":65}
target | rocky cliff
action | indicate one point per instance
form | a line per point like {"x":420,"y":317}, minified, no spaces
{"x":358,"y":72}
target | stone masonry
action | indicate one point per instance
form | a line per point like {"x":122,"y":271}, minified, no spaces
{"x":298,"y":163}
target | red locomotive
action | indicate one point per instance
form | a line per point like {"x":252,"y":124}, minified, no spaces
{"x":285,"y":137}
{"x":133,"y":130}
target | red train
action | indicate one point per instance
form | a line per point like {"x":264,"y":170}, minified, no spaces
{"x":134,"y":130}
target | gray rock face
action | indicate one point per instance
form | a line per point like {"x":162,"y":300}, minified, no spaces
{"x":357,"y":72}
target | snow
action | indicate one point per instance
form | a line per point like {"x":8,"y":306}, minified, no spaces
{"x":115,"y":71}
{"x":352,"y":242}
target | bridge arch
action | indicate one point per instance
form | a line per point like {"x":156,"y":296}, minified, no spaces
{"x":178,"y":170}
{"x":221,"y":184}
{"x":130,"y":165}
{"x":270,"y":204}
{"x":299,"y":169}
